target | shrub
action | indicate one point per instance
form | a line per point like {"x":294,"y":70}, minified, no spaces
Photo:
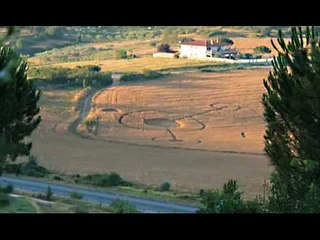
{"x":33,"y":169}
{"x":80,"y":76}
{"x":226,"y":40}
{"x":121,"y":206}
{"x":7,"y":189}
{"x":4,"y":200}
{"x":57,"y":178}
{"x":147,"y":74}
{"x":164,"y":47}
{"x":217,"y":33}
{"x":49,"y":194}
{"x":104,"y":180}
{"x":114,"y":179}
{"x":131,"y":77}
{"x":121,"y":54}
{"x":165,"y":187}
{"x":12,"y":168}
{"x":262,"y":49}
{"x":153,"y":44}
{"x":229,"y":200}
{"x":186,"y":39}
{"x":75,"y":195}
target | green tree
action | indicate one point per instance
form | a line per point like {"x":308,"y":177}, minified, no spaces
{"x":292,"y":112}
{"x":226,"y":40}
{"x":121,"y":54}
{"x":18,"y":106}
{"x":164,"y":47}
{"x":229,"y":200}
{"x":165,"y":187}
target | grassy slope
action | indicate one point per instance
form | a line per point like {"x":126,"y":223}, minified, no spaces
{"x":18,"y":205}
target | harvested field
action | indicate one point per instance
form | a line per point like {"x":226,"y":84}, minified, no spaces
{"x":185,"y":129}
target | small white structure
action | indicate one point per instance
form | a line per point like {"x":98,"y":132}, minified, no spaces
{"x":205,"y":49}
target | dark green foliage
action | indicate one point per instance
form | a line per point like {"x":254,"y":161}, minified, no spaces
{"x":229,"y":200}
{"x":292,"y":112}
{"x":49,"y":194}
{"x":114,"y":179}
{"x":30,"y":168}
{"x":18,"y":106}
{"x":7,"y":189}
{"x":81,"y":76}
{"x":4,"y":200}
{"x":217,"y":33}
{"x":165,"y":187}
{"x":226,"y":40}
{"x":76,"y":195}
{"x":153,"y":44}
{"x":164,"y":47}
{"x":121,"y":54}
{"x":12,"y":168}
{"x":104,"y":180}
{"x":262,"y":49}
{"x":57,"y":178}
{"x":146,"y":75}
{"x":186,"y":39}
{"x":248,"y":56}
{"x":121,"y":206}
{"x":93,"y":68}
{"x":33,"y":169}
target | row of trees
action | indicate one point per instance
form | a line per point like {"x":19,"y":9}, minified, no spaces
{"x":84,"y":76}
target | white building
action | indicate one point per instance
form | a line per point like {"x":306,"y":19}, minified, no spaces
{"x":205,"y":49}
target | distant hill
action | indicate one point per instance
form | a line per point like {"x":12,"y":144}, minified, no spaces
{"x":35,"y":39}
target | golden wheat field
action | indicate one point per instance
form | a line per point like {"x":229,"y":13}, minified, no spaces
{"x":214,"y":111}
{"x":195,"y":130}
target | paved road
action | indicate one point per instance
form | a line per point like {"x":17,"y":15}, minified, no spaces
{"x":145,"y":205}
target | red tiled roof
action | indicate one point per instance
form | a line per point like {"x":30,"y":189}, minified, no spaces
{"x":205,"y":43}
{"x":196,"y":43}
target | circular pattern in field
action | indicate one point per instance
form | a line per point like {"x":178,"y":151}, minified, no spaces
{"x":161,"y":122}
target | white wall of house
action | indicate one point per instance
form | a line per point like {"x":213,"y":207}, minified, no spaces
{"x":190,"y":51}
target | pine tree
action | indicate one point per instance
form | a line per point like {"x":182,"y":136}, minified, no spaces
{"x":292,"y":113}
{"x":18,"y":106}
